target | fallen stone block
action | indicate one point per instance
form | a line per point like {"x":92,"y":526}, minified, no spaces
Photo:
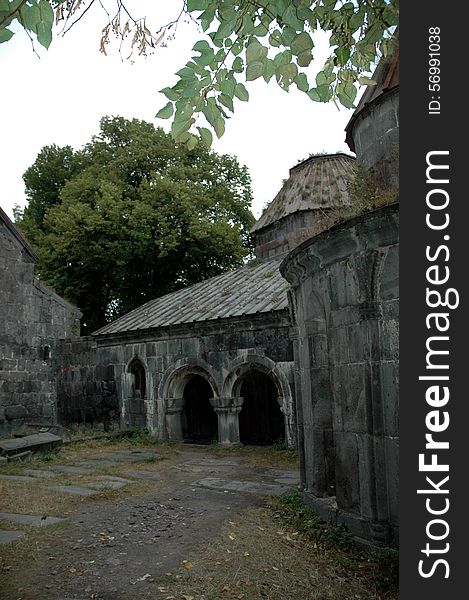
{"x":38,"y":442}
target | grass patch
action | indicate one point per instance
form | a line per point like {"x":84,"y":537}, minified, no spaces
{"x":259,"y":555}
{"x":378,"y":567}
{"x":278,"y":455}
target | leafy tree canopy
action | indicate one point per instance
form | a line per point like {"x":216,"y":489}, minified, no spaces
{"x":133,"y":216}
{"x":245,"y":40}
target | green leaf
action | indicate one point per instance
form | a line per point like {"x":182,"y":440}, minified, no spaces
{"x":255,"y":52}
{"x":228,"y":86}
{"x":211,"y":111}
{"x":288,"y":35}
{"x":269,"y":69}
{"x":254,"y":70}
{"x":289,"y":17}
{"x":241,"y":92}
{"x":166,"y":112}
{"x":302,"y":82}
{"x":201,"y":46}
{"x":44,"y":34}
{"x":205,"y":136}
{"x":343,"y":54}
{"x":181,"y":126}
{"x":302,"y":43}
{"x":192,"y":142}
{"x":219,"y":126}
{"x":170,"y":93}
{"x":346,"y":92}
{"x":226,"y":101}
{"x":238,"y":65}
{"x":197,"y":5}
{"x":5,"y":35}
{"x":275,"y":38}
{"x":366,"y":81}
{"x":304,"y":59}
{"x":314,"y":95}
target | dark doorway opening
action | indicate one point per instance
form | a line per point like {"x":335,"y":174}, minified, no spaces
{"x":136,"y":406}
{"x":199,"y":420}
{"x":261,"y":421}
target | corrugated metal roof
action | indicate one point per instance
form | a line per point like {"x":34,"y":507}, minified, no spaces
{"x":318,"y":182}
{"x":246,"y":291}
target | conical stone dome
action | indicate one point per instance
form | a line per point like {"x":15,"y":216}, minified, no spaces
{"x":315,"y":186}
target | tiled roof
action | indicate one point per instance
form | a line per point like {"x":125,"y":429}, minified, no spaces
{"x":248,"y":290}
{"x":316,"y":183}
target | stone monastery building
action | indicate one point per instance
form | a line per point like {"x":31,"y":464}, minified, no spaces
{"x":300,"y":345}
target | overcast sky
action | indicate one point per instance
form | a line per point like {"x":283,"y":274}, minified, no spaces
{"x":60,"y":97}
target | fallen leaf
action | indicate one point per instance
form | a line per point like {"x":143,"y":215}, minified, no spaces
{"x":188,"y":565}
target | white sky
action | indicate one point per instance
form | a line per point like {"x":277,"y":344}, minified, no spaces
{"x":61,"y":97}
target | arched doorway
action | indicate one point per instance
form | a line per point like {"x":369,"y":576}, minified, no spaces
{"x":199,"y":420}
{"x":261,"y":421}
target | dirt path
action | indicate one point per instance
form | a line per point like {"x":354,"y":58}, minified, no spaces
{"x":115,"y":549}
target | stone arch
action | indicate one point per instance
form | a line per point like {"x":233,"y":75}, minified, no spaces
{"x":243,"y":368}
{"x":188,"y":389}
{"x":176,"y":376}
{"x":242,"y":365}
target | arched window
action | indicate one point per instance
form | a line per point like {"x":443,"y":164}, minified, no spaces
{"x":138,"y":371}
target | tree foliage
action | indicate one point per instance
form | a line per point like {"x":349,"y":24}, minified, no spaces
{"x":244,"y":40}
{"x":133,"y":216}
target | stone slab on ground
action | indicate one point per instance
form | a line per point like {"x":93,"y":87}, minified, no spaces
{"x":72,"y":489}
{"x":9,"y":536}
{"x":29,"y":519}
{"x":115,"y":478}
{"x":17,"y":478}
{"x":251,"y":487}
{"x":150,"y":475}
{"x":213,"y":462}
{"x":71,"y":469}
{"x":40,"y":473}
{"x":36,"y":442}
{"x":107,"y":484}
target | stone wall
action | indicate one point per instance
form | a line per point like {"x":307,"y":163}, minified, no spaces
{"x":375,"y":133}
{"x":95,"y":378}
{"x":33,"y":318}
{"x":345,"y":299}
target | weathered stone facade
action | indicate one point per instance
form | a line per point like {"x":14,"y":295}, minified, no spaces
{"x":33,"y":318}
{"x":345,"y":290}
{"x":98,"y":377}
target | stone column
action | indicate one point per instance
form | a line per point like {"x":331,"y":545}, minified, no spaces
{"x":228,"y":410}
{"x":174,"y":408}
